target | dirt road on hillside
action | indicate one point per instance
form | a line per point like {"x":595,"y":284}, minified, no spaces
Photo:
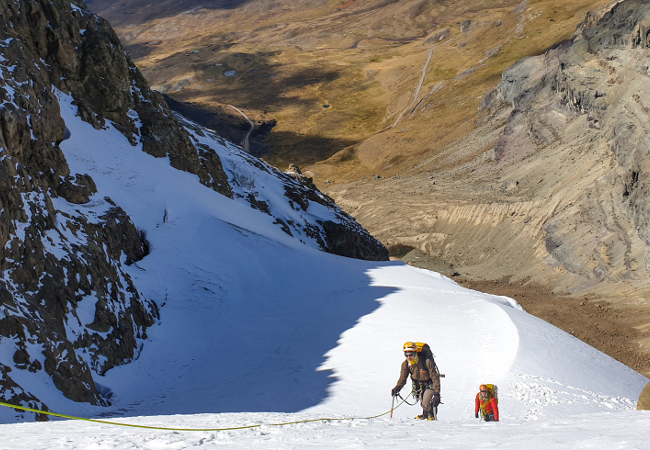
{"x":416,"y":95}
{"x":245,"y":144}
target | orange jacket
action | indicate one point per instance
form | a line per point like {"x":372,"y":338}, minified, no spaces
{"x":490,"y":406}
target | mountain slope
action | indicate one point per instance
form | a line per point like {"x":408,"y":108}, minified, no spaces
{"x":250,"y":314}
{"x":338,"y":354}
{"x":237,"y":287}
{"x":386,"y":103}
{"x":70,"y":308}
{"x":548,"y":190}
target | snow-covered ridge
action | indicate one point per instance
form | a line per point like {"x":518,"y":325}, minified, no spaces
{"x":298,"y":208}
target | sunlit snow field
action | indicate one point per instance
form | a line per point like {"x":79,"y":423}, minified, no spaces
{"x":259,"y":328}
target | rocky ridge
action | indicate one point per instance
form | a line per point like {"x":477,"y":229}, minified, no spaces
{"x":55,"y":256}
{"x":585,"y":100}
{"x":70,"y":311}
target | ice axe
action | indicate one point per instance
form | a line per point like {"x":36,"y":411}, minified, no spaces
{"x":392,"y":405}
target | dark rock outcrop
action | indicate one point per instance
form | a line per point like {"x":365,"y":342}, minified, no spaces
{"x":344,"y":237}
{"x":354,"y":242}
{"x":68,"y":307}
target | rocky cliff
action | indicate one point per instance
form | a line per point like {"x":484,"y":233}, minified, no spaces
{"x":584,"y":103}
{"x":70,"y":311}
{"x":59,"y":259}
{"x":551,"y":185}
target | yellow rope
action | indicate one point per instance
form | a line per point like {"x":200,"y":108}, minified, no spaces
{"x":105,"y":422}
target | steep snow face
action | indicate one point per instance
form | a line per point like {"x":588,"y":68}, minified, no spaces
{"x":541,"y":371}
{"x":68,"y":308}
{"x":256,"y":327}
{"x":171,"y":207}
{"x":291,"y":199}
{"x":256,"y":186}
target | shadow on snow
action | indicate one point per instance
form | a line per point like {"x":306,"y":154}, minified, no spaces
{"x":250,"y":338}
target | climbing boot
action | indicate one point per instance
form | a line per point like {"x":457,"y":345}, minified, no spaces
{"x":423,"y":416}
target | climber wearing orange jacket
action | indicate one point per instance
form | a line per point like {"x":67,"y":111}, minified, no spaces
{"x":487,"y":404}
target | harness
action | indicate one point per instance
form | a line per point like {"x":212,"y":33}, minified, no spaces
{"x":420,"y":386}
{"x":483,"y":406}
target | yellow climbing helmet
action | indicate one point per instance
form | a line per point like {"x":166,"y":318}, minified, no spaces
{"x":410,"y":347}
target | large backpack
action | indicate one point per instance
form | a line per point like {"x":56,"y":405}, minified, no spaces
{"x":424,"y":351}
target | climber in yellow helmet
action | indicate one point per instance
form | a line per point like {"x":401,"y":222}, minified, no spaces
{"x":424,"y":373}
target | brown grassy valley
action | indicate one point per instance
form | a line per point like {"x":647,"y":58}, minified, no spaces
{"x":516,"y":184}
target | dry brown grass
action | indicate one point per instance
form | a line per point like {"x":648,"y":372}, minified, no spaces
{"x":450,"y":113}
{"x":362,"y":62}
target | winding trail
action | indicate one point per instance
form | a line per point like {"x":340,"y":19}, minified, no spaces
{"x":417,"y":90}
{"x":245,"y":141}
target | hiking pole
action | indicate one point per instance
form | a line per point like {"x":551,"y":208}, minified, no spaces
{"x":392,"y":404}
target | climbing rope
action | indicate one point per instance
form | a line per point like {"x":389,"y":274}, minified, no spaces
{"x":106,"y":422}
{"x":414,"y":396}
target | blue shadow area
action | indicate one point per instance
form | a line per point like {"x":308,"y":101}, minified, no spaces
{"x":249,"y":334}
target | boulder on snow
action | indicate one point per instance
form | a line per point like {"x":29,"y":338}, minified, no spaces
{"x":644,"y":399}
{"x":77,"y":190}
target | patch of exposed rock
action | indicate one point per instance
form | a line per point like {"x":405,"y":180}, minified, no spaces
{"x":68,"y":307}
{"x":644,"y":399}
{"x":586,"y":100}
{"x":343,"y":236}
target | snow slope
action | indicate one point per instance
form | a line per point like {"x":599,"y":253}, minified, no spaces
{"x":256,"y":327}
